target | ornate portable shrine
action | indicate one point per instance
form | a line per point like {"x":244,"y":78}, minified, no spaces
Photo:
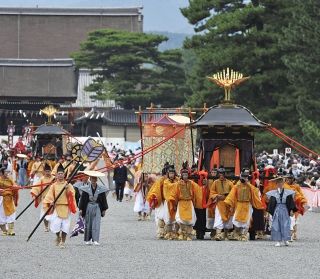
{"x":176,"y":150}
{"x":49,"y":138}
{"x":227,"y":130}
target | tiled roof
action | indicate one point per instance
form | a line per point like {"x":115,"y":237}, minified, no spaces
{"x":229,"y":115}
{"x":17,"y":62}
{"x":50,"y":129}
{"x":72,"y":11}
{"x":37,"y":79}
{"x":118,"y":117}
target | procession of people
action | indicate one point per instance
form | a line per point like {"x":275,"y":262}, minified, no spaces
{"x":186,"y":204}
{"x":252,"y":206}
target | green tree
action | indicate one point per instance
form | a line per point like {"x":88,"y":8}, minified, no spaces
{"x":245,"y":36}
{"x":131,"y":69}
{"x":301,"y":40}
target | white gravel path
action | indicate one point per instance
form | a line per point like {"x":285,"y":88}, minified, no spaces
{"x":129,"y":249}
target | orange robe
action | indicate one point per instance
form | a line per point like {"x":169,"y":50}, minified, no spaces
{"x":220,"y":187}
{"x":66,"y":202}
{"x":37,"y":168}
{"x":70,"y":169}
{"x":29,"y":167}
{"x":55,"y":169}
{"x":155,"y":194}
{"x":210,"y":211}
{"x":299,"y":198}
{"x":35,"y":191}
{"x":240,"y":198}
{"x":169,"y":190}
{"x":185,"y":196}
{"x":10,"y":196}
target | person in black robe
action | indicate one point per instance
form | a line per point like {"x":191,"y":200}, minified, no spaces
{"x":120,"y":176}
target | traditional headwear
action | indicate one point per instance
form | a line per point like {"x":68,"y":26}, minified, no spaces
{"x":278,"y":177}
{"x":60,"y":168}
{"x":222,"y":170}
{"x":93,"y":173}
{"x":282,"y":172}
{"x":23,"y":156}
{"x":270,"y":171}
{"x":245,"y":173}
{"x":47,"y":167}
{"x":165,"y":168}
{"x":171,"y":168}
{"x":185,"y":168}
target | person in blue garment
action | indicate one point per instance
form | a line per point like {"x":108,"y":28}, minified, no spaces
{"x":281,"y":206}
{"x":92,"y":206}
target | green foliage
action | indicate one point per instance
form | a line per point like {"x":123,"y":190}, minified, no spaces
{"x":175,"y":40}
{"x":131,"y":69}
{"x":311,"y":133}
{"x":301,"y":40}
{"x":253,"y":37}
{"x":266,"y":141}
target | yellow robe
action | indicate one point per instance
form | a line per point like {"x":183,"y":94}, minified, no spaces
{"x":70,"y":169}
{"x":210,"y":211}
{"x":35,"y":191}
{"x":37,"y":168}
{"x":219,"y":187}
{"x":62,"y":205}
{"x":198,"y":198}
{"x":156,"y":191}
{"x":186,"y":195}
{"x":9,"y":195}
{"x":29,"y":167}
{"x":240,"y":198}
{"x":169,"y":190}
{"x":299,"y":198}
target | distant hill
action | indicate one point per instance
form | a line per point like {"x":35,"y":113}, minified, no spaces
{"x":175,"y":39}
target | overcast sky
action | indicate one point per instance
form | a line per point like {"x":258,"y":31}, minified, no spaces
{"x":159,"y":15}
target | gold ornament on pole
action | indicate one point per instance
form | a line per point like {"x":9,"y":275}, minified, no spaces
{"x":228,"y":79}
{"x":49,"y":111}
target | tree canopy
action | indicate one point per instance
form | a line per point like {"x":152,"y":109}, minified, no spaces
{"x":257,"y":38}
{"x":131,"y":69}
{"x":301,"y":41}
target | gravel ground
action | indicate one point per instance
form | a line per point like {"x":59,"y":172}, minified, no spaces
{"x":129,"y":249}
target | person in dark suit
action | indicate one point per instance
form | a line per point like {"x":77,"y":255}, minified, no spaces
{"x":120,"y":176}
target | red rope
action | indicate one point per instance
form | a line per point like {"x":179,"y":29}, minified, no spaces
{"x":294,"y":144}
{"x":294,"y":147}
{"x":310,"y":151}
{"x":289,"y":143}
